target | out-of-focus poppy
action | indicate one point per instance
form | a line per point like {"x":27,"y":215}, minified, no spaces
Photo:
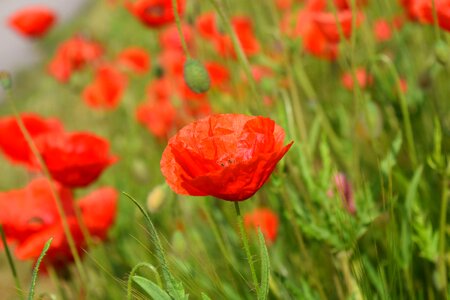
{"x":13,"y":143}
{"x":330,"y":25}
{"x":228,"y":156}
{"x":266,"y":220}
{"x":362,"y":77}
{"x":72,"y":55}
{"x":218,"y":73}
{"x":382,"y":30}
{"x":33,"y":21}
{"x":135,"y":59}
{"x":106,"y":91}
{"x":207,"y":26}
{"x":158,"y":118}
{"x":170,"y":38}
{"x":76,"y":159}
{"x":30,"y":217}
{"x":155,"y":13}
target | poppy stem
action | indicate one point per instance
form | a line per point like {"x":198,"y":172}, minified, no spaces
{"x":12,"y":266}
{"x":180,"y":31}
{"x":244,"y":239}
{"x":240,"y":54}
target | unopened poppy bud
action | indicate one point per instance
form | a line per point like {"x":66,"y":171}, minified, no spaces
{"x":5,"y":80}
{"x":442,"y":52}
{"x":196,"y":76}
{"x":156,"y":197}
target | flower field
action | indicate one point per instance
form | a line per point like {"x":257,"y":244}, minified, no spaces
{"x":225,"y":149}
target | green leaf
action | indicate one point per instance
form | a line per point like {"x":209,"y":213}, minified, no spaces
{"x":412,"y":191}
{"x":151,"y":289}
{"x":265,"y":267}
{"x":36,"y":269}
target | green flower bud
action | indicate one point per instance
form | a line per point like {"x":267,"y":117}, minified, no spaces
{"x":442,"y":52}
{"x":196,"y":76}
{"x":5,"y":80}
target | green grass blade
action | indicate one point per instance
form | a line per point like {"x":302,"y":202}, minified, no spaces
{"x":151,"y":289}
{"x":36,"y":269}
{"x":265,"y":267}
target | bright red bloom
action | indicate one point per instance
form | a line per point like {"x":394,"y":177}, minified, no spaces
{"x":76,"y":159}
{"x":13,"y":143}
{"x":228,"y":156}
{"x":30,"y":218}
{"x":33,"y":21}
{"x":72,"y":55}
{"x":362,"y":77}
{"x":155,"y":13}
{"x":266,"y":220}
{"x":107,"y":88}
{"x":135,"y":59}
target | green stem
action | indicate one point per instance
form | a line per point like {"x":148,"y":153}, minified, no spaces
{"x":180,"y":31}
{"x":134,"y":270}
{"x":244,"y":239}
{"x":12,"y":266}
{"x":442,"y":231}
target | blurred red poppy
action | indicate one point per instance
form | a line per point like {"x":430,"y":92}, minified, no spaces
{"x":362,"y":77}
{"x":170,"y":38}
{"x":207,"y":26}
{"x":330,"y":25}
{"x":382,"y":30}
{"x":228,"y":156}
{"x":33,"y":21}
{"x":154,"y":13}
{"x":30,"y":217}
{"x":76,"y":159}
{"x":158,"y":117}
{"x":266,"y":220}
{"x":13,"y":143}
{"x":135,"y":59}
{"x":72,"y":55}
{"x":107,"y":89}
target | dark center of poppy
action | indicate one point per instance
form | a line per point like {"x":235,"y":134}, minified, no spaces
{"x":155,"y":11}
{"x":35,"y":221}
{"x":226,"y":163}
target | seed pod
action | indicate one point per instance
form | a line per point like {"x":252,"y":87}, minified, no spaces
{"x":196,"y":76}
{"x":5,"y":80}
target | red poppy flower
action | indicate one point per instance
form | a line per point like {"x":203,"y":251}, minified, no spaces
{"x":26,"y":211}
{"x":135,"y":59}
{"x":218,"y":73}
{"x":362,"y":77}
{"x":76,"y":159}
{"x":13,"y":143}
{"x":30,"y":217}
{"x":266,"y":220}
{"x":72,"y":55}
{"x":327,"y":24}
{"x":170,"y":38}
{"x":155,"y":13}
{"x":228,"y":156}
{"x":107,"y":88}
{"x":158,"y":118}
{"x":207,"y":26}
{"x":32,"y":21}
